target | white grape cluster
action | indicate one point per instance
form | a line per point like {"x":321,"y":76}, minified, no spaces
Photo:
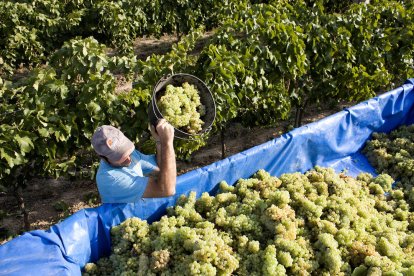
{"x":182,"y":108}
{"x":317,"y":223}
{"x":393,"y":154}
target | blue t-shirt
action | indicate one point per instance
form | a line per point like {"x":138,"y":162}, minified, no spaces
{"x":125,"y":184}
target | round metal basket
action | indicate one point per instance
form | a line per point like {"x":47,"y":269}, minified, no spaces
{"x":206,"y":99}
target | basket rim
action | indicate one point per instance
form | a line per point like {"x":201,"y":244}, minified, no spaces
{"x":154,"y":104}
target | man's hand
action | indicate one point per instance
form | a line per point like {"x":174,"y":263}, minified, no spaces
{"x":163,"y":132}
{"x":153,"y":132}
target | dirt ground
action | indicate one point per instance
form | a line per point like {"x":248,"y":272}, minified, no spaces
{"x":48,"y":201}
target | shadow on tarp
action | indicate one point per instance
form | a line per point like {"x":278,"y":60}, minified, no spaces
{"x":334,"y":141}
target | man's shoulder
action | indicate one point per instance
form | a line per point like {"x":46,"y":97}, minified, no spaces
{"x":142,"y":156}
{"x":109,"y":175}
{"x":104,"y":168}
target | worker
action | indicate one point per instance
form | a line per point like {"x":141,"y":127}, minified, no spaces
{"x":125,"y":174}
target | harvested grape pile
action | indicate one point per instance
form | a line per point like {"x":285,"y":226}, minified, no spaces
{"x":182,"y":108}
{"x":318,"y":223}
{"x":393,"y":154}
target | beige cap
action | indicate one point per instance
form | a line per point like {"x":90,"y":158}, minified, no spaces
{"x":110,"y":142}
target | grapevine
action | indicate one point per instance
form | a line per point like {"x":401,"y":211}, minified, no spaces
{"x":181,"y":106}
{"x":319,"y":223}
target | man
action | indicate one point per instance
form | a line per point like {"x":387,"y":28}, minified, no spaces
{"x":125,"y":174}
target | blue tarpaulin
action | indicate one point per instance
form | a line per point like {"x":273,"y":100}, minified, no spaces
{"x":334,"y":141}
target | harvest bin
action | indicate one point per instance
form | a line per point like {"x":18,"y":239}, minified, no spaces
{"x":334,"y":141}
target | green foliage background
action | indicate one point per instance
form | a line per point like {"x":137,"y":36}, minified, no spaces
{"x":263,"y":60}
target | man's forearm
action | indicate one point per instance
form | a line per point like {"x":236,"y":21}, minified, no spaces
{"x":164,"y":184}
{"x":158,"y":153}
{"x":168,"y":169}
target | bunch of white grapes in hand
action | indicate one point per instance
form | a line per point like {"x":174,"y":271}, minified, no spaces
{"x":317,"y":223}
{"x":393,"y":154}
{"x":182,"y":108}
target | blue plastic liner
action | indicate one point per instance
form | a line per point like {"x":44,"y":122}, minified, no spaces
{"x":335,"y":141}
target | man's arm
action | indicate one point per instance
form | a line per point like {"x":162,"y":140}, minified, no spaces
{"x":162,"y":183}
